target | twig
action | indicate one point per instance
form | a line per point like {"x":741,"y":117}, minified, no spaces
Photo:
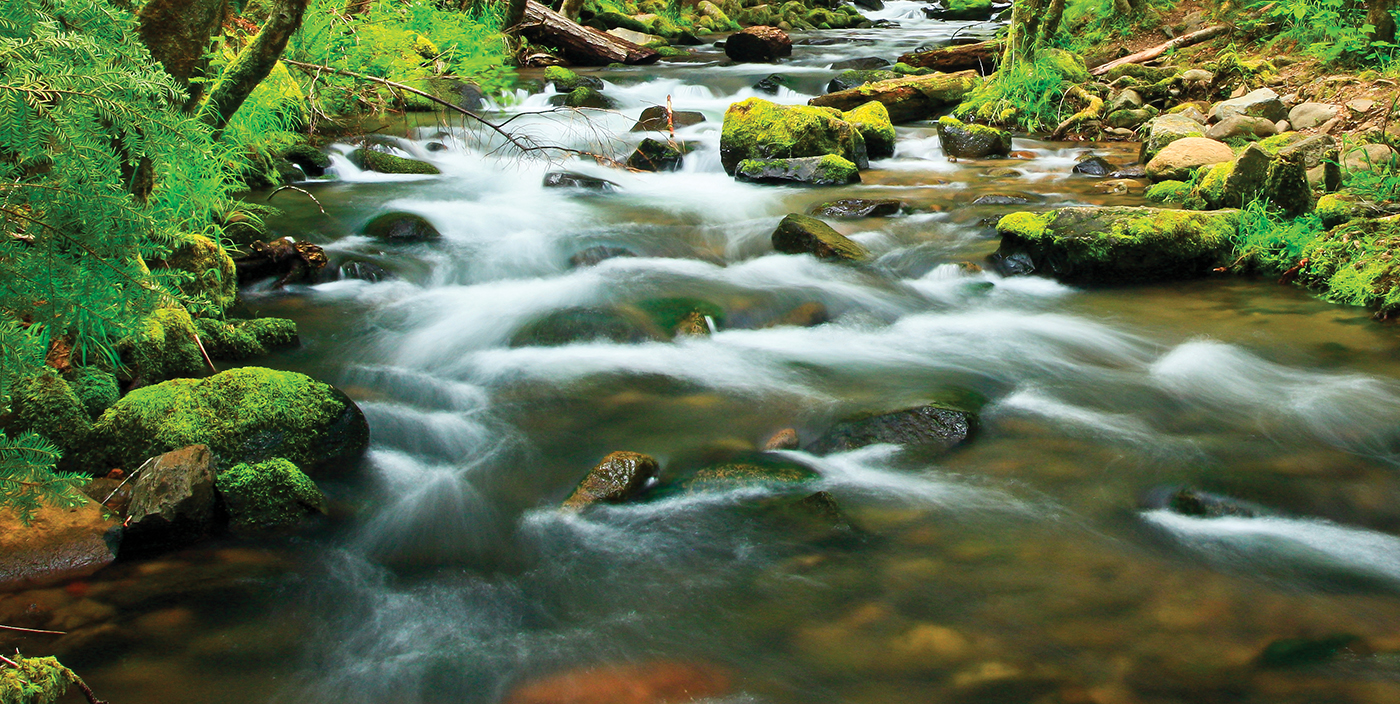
{"x":1195,"y":37}
{"x":3,"y":627}
{"x":302,"y":191}
{"x":204,"y":354}
{"x":128,"y":478}
{"x":87,"y":691}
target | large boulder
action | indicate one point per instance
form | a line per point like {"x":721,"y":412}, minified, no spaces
{"x":799,"y":234}
{"x":173,"y":502}
{"x":827,"y":170}
{"x":619,"y":477}
{"x":401,"y":227}
{"x":959,"y":10}
{"x":758,"y":129}
{"x":1306,"y":116}
{"x":56,"y":543}
{"x":1242,"y":126}
{"x":212,"y":274}
{"x":241,"y":339}
{"x":371,"y":159}
{"x":926,"y":427}
{"x":907,"y":99}
{"x":45,"y":403}
{"x":761,"y":44}
{"x":1258,"y":103}
{"x":162,"y":346}
{"x":1111,"y":245}
{"x":267,"y":496}
{"x":1259,"y":173}
{"x":963,"y":140}
{"x":248,"y":414}
{"x":872,"y":120}
{"x":1166,"y":129}
{"x":854,"y":78}
{"x":1178,"y":159}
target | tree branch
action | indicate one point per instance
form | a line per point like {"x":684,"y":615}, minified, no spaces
{"x":253,"y":63}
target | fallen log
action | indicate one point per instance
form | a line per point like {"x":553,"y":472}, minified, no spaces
{"x":907,"y":99}
{"x":1148,"y":54}
{"x":289,"y":261}
{"x":581,"y":45}
{"x":981,"y":57}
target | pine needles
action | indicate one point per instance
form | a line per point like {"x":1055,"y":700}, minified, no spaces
{"x":28,"y":480}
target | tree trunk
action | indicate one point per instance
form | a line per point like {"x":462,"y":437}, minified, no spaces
{"x":581,"y":45}
{"x":177,"y":34}
{"x":981,"y":57}
{"x":253,"y":63}
{"x":515,"y":14}
{"x":1378,"y":16}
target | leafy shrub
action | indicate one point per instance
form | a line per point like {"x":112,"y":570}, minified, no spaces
{"x":1269,"y":243}
{"x":1333,"y":31}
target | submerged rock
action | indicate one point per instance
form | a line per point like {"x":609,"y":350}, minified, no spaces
{"x":1116,"y":244}
{"x":749,"y":470}
{"x":401,"y":227}
{"x":598,"y":253}
{"x":268,"y":496}
{"x":570,"y":325}
{"x":1200,"y":504}
{"x":925,"y":427}
{"x":799,"y":234}
{"x":827,"y":170}
{"x":861,"y":64}
{"x":785,"y":439}
{"x":1287,"y":653}
{"x":1005,"y":199}
{"x":370,"y":159}
{"x":967,"y":141}
{"x":758,"y":129}
{"x":619,"y":477}
{"x":654,"y":682}
{"x":173,"y":502}
{"x":759,"y":44}
{"x":362,"y":270}
{"x":570,"y":179}
{"x":248,"y":414}
{"x":56,"y":544}
{"x":655,"y":155}
{"x":851,"y":208}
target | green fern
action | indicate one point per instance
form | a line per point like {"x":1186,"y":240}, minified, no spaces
{"x":28,"y":480}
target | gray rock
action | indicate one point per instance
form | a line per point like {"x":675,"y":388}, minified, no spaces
{"x":653,"y":119}
{"x":1361,"y":105}
{"x":1241,"y":126}
{"x":799,"y":234}
{"x":967,"y":141}
{"x":861,"y":64}
{"x":851,"y":208}
{"x":401,"y":227}
{"x":1191,"y":112}
{"x":934,"y":427}
{"x":1128,"y":99}
{"x":1282,"y":126}
{"x":569,"y":179}
{"x":1166,"y":129}
{"x":1130,"y":119}
{"x":173,"y":502}
{"x":1263,"y":103}
{"x":1309,"y":115}
{"x":1197,"y":75}
{"x":1178,"y":159}
{"x":826,"y":170}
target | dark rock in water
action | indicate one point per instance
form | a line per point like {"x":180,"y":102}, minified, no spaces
{"x":772,"y":83}
{"x":686,"y":39}
{"x":855,"y":78}
{"x":1093,"y":166}
{"x":749,"y":469}
{"x":58,"y":545}
{"x":569,"y":179}
{"x":1005,"y":199}
{"x":1130,"y":172}
{"x":1286,"y":653}
{"x":850,"y":208}
{"x":1201,"y":504}
{"x":884,"y":24}
{"x":806,"y":315}
{"x":862,"y":64}
{"x":583,"y":97}
{"x":562,"y":327}
{"x":1018,"y":264}
{"x":653,"y":119}
{"x":814,"y":518}
{"x":593,"y":255}
{"x":435,"y":147}
{"x":823,"y":41}
{"x":872,"y":5}
{"x":925,"y":426}
{"x":363,"y":271}
{"x":371,"y":159}
{"x":312,"y":161}
{"x":173,"y":503}
{"x":758,"y":45}
{"x":401,"y":227}
{"x":470,"y":96}
{"x":655,"y":155}
{"x":620,"y":477}
{"x":785,"y":439}
{"x":799,"y":234}
{"x":827,"y":170}
{"x":968,"y":141}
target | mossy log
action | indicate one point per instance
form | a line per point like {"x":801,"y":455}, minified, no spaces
{"x":907,"y":99}
{"x":581,"y":45}
{"x":253,"y":64}
{"x":981,"y":57}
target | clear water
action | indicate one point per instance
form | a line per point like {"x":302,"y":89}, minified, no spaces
{"x":1019,"y":569}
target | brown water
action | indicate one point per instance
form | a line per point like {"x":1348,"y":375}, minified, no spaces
{"x":1018,"y":569}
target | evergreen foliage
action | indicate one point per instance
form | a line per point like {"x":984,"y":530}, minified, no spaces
{"x":28,"y":479}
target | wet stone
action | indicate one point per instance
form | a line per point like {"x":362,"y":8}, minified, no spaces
{"x":619,"y":477}
{"x":1005,"y":199}
{"x":1093,"y":166}
{"x":361,"y":270}
{"x":771,"y":83}
{"x":570,"y":179}
{"x":593,"y":255}
{"x":653,"y":119}
{"x":401,"y":227}
{"x":861,"y":64}
{"x":785,"y":439}
{"x":926,"y":426}
{"x":851,"y":208}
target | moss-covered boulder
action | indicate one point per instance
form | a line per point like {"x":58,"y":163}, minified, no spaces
{"x":95,"y":388}
{"x":213,"y":277}
{"x":758,"y":129}
{"x":963,"y":140}
{"x":619,"y":477}
{"x":959,"y":10}
{"x":401,"y":227}
{"x":872,"y":120}
{"x":374,"y":160}
{"x":1319,"y":153}
{"x":908,"y":98}
{"x":1180,"y":158}
{"x":1112,"y":245}
{"x":241,"y":339}
{"x":1281,"y":180}
{"x":750,"y":469}
{"x":566,"y":81}
{"x":656,"y":155}
{"x":44,"y":403}
{"x":1130,"y":119}
{"x":267,"y":496}
{"x":1355,"y":263}
{"x":799,"y":234}
{"x":930,"y":427}
{"x":855,"y":78}
{"x":1164,"y":130}
{"x":249,"y":414}
{"x":162,"y":346}
{"x":828,"y":170}
{"x":312,"y":161}
{"x":584,"y":97}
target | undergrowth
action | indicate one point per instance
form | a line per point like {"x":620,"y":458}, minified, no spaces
{"x":1269,"y":243}
{"x":1331,"y":31}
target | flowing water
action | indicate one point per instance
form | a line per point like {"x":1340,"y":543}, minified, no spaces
{"x":1021,"y":568}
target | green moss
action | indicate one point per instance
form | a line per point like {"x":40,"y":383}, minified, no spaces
{"x":241,"y":339}
{"x":825,"y":170}
{"x":586,"y":97}
{"x":1273,"y":145}
{"x":749,"y":471}
{"x":43,"y":402}
{"x":95,"y":388}
{"x":1070,"y":66}
{"x":563,"y":79}
{"x":1140,"y":73}
{"x":308,"y":154}
{"x":1169,"y":192}
{"x":375,"y":160}
{"x":1028,"y":226}
{"x":872,"y":120}
{"x":35,"y":681}
{"x":758,"y":129}
{"x":268,"y":495}
{"x":1355,"y":263}
{"x":1212,"y":186}
{"x":244,"y":415}
{"x":213,"y":278}
{"x":162,"y":347}
{"x":1337,"y":208}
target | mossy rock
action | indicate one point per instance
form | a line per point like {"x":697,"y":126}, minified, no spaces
{"x":241,"y":339}
{"x":162,"y":346}
{"x":671,"y":314}
{"x":1139,"y":73}
{"x":799,"y":234}
{"x":1281,"y":180}
{"x":585,"y":324}
{"x":1354,"y":263}
{"x":401,"y":227}
{"x":930,"y":427}
{"x":44,"y":403}
{"x":1166,"y":129}
{"x":749,"y":469}
{"x":872,"y":120}
{"x":1337,"y":208}
{"x":618,"y":478}
{"x":1115,"y":245}
{"x":566,"y":81}
{"x":584,"y":97}
{"x":855,"y":78}
{"x":1178,"y":192}
{"x":214,"y":277}
{"x":826,"y":170}
{"x":758,"y":129}
{"x":969,"y":141}
{"x":250,"y":414}
{"x":272,"y":495}
{"x":656,"y":155}
{"x":95,"y":388}
{"x":312,"y":161}
{"x":384,"y":163}
{"x":1130,"y":119}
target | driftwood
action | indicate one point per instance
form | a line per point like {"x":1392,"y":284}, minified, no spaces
{"x":981,"y":57}
{"x":581,"y":45}
{"x":289,"y":261}
{"x":908,"y":99}
{"x":1148,"y":54}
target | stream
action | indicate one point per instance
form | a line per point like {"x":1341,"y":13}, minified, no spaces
{"x":1020,"y":568}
